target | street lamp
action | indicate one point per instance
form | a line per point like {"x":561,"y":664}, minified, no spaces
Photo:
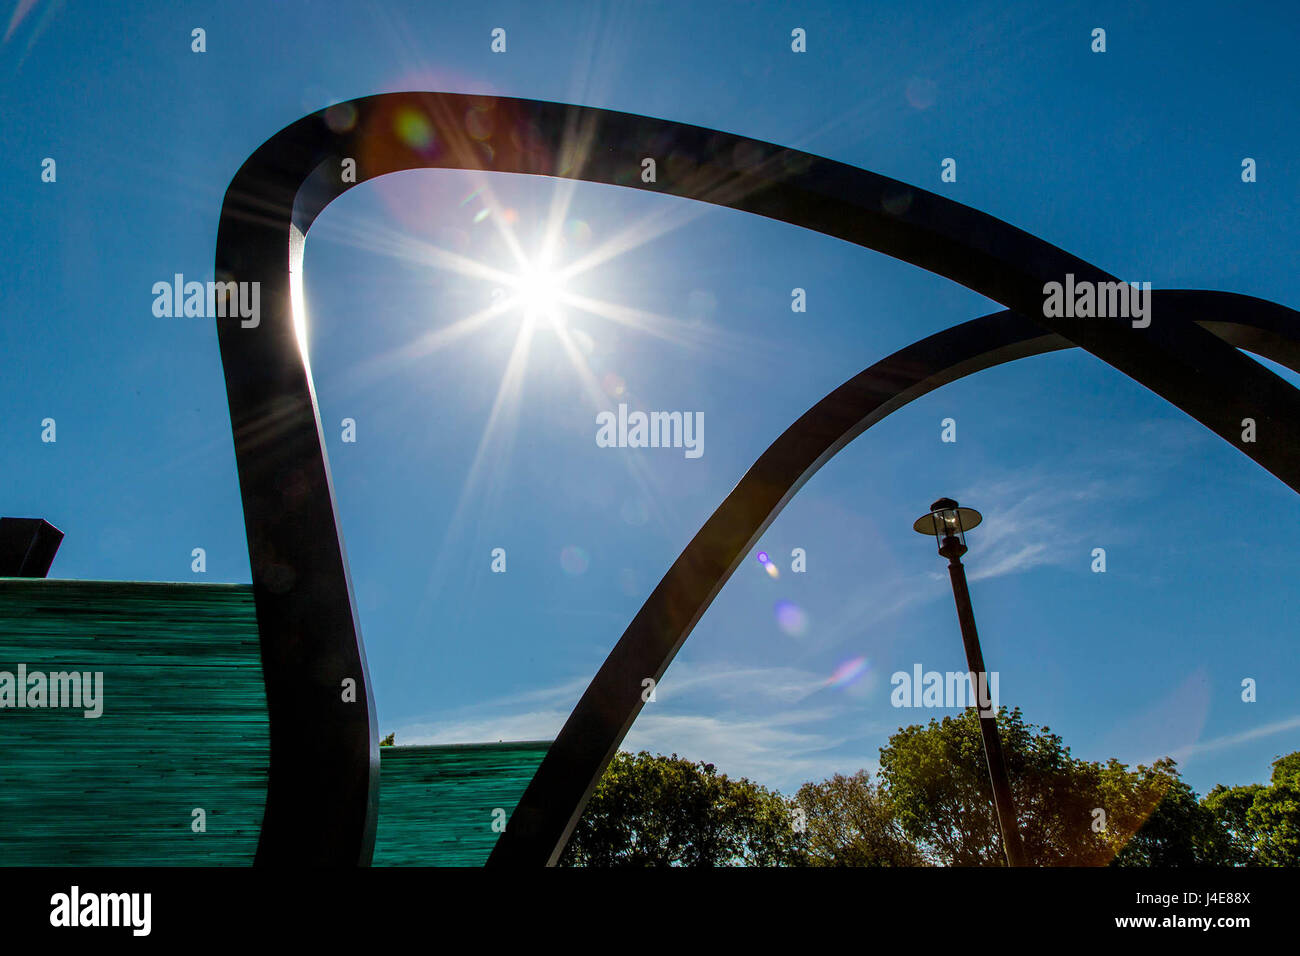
{"x":949,"y":524}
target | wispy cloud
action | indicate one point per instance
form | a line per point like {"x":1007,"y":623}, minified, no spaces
{"x":731,"y":683}
{"x":1030,"y":522}
{"x":717,"y":681}
{"x":783,"y":749}
{"x":536,"y":714}
{"x":739,"y":718}
{"x":1233,"y":740}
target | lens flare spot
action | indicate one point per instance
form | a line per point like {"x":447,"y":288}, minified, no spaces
{"x":791,"y":618}
{"x":768,"y":565}
{"x":478,"y":124}
{"x":612,"y":384}
{"x":850,"y":672}
{"x":629,"y":582}
{"x":414,"y":129}
{"x":574,"y":561}
{"x":635,"y":512}
{"x":921,"y":92}
{"x":579,"y":233}
{"x":341,"y":117}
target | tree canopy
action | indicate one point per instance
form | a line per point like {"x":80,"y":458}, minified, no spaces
{"x":667,"y":811}
{"x":1070,"y":812}
{"x":932,"y":805}
{"x":1263,"y":821}
{"x":849,"y":822}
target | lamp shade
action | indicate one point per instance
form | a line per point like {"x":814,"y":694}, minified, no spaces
{"x":946,"y":519}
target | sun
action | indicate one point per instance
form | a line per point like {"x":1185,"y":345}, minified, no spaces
{"x":539,"y":290}
{"x":546,"y":290}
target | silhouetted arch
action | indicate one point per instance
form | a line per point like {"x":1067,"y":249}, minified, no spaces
{"x":324,"y":748}
{"x":539,"y":828}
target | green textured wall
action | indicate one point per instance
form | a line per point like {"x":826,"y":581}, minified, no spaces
{"x":436,"y":803}
{"x":184,"y":726}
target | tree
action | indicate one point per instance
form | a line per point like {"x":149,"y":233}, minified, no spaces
{"x":937,"y":780}
{"x":1263,"y":821}
{"x":932,"y":804}
{"x":388,"y":741}
{"x":1161,"y":821}
{"x":1275,"y":814}
{"x":1231,"y":806}
{"x":849,"y":822}
{"x":667,"y":811}
{"x":1069,"y":812}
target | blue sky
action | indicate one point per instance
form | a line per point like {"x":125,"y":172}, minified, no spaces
{"x":1130,"y":159}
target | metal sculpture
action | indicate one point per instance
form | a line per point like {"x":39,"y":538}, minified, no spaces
{"x":324,"y":748}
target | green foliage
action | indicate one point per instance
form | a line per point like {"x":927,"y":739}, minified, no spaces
{"x":1286,"y":768}
{"x":1263,"y":822}
{"x":849,"y":822}
{"x":937,"y":780}
{"x":388,"y":741}
{"x":1231,"y":806}
{"x":936,"y":777}
{"x":1162,"y":823}
{"x":1275,"y":815}
{"x":932,"y":804}
{"x":666,"y":811}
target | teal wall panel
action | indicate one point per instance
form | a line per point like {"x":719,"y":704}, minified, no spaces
{"x":436,"y":803}
{"x":183,"y":725}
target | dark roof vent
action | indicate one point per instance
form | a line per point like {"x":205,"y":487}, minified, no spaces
{"x":27,"y":547}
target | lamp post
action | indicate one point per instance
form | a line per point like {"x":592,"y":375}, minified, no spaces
{"x":949,"y":524}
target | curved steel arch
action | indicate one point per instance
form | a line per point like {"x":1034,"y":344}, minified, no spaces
{"x":549,"y":810}
{"x":323,"y":787}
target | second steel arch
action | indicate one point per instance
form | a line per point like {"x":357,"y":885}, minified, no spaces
{"x":550,"y":807}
